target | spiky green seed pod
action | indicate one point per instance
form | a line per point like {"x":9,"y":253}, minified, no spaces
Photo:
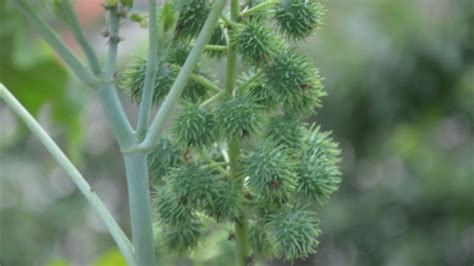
{"x":192,"y":16}
{"x":227,"y":202}
{"x":133,"y":80}
{"x":293,"y":81}
{"x":319,"y":174}
{"x":256,"y":43}
{"x":238,"y":116}
{"x":294,"y":233}
{"x":170,"y":208}
{"x":163,"y":156}
{"x":194,"y":127}
{"x":297,"y":19}
{"x":193,"y":184}
{"x":177,"y":52}
{"x":285,"y":131}
{"x":260,"y":241}
{"x":262,"y":95}
{"x":271,"y":173}
{"x":182,"y":238}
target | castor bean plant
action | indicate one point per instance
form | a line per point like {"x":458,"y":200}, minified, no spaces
{"x":232,"y":150}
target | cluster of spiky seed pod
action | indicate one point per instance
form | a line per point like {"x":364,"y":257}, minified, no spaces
{"x":285,"y":169}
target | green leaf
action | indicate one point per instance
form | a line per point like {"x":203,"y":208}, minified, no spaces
{"x":111,"y":257}
{"x":126,"y":3}
{"x":58,"y":262}
{"x":37,"y":79}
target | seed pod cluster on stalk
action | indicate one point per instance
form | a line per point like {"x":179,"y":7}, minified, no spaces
{"x":284,"y":169}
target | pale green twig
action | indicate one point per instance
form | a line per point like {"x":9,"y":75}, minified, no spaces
{"x":154,"y":50}
{"x":117,"y":234}
{"x":53,"y":40}
{"x":160,"y":119}
{"x":218,"y":48}
{"x":257,"y":8}
{"x":205,"y":82}
{"x":114,"y":39}
{"x":80,"y":37}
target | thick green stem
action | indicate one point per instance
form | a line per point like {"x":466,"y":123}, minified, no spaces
{"x":53,"y":40}
{"x":140,"y":208}
{"x":241,"y":226}
{"x":160,"y":119}
{"x":115,"y":115}
{"x":80,"y":37}
{"x":117,"y":234}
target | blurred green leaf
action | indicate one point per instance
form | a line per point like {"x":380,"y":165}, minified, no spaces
{"x":126,"y":3}
{"x":58,"y":262}
{"x":32,"y":73}
{"x":111,"y":257}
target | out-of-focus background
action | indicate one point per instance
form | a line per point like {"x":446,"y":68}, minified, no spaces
{"x":400,"y":78}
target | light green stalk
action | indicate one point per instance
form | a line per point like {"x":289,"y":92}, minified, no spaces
{"x":117,"y":234}
{"x":259,"y":7}
{"x":114,"y":39}
{"x":241,"y":226}
{"x":53,"y":40}
{"x":151,"y":68}
{"x":170,"y":101}
{"x":80,"y":37}
{"x":205,"y":82}
{"x":140,"y":208}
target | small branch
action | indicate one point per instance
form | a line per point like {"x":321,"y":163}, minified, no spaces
{"x":213,"y":98}
{"x":80,"y":37}
{"x":218,"y":48}
{"x":231,"y":70}
{"x":151,"y":69}
{"x":249,"y":81}
{"x":114,"y":39}
{"x":257,"y":8}
{"x":53,"y":40}
{"x":205,"y":82}
{"x":117,"y":234}
{"x":227,"y":22}
{"x":107,"y":92}
{"x":213,"y":164}
{"x":160,"y":119}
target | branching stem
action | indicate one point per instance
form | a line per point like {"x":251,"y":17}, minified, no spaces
{"x":241,"y":230}
{"x":160,"y":119}
{"x":205,"y":82}
{"x":257,"y":8}
{"x":114,"y":39}
{"x":219,"y":48}
{"x":117,"y":234}
{"x":80,"y":37}
{"x":57,"y":44}
{"x":151,"y":69}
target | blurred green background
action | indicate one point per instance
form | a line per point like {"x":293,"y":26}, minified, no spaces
{"x":400,"y":78}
